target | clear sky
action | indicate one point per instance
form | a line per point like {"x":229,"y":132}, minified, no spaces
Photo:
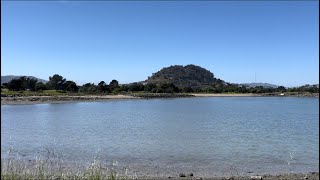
{"x":129,"y":40}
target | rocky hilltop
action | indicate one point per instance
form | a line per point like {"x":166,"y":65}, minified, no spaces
{"x":183,"y":76}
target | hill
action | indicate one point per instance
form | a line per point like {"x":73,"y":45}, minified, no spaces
{"x":6,"y":79}
{"x":184,"y":76}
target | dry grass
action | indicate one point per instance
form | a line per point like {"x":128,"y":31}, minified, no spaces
{"x":50,"y":166}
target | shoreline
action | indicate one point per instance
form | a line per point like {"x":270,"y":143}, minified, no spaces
{"x":255,"y":95}
{"x":227,"y":95}
{"x":21,"y":100}
{"x":61,"y":99}
{"x":290,"y":176}
{"x":281,"y":176}
{"x":53,"y":167}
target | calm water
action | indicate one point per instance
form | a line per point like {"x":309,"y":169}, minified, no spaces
{"x":208,"y":136}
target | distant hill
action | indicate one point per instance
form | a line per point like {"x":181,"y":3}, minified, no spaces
{"x":308,"y":86}
{"x":265,"y":85}
{"x":6,"y":79}
{"x":183,"y":76}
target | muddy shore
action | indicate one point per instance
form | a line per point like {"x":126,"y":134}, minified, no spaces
{"x":257,"y":95}
{"x":291,"y":176}
{"x":19,"y":99}
{"x":59,"y":99}
{"x":228,"y":95}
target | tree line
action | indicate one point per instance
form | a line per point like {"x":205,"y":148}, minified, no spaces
{"x":59,"y":83}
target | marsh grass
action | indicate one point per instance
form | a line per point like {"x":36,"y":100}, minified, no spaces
{"x":51,"y":166}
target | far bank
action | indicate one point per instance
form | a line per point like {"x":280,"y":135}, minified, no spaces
{"x":7,"y":99}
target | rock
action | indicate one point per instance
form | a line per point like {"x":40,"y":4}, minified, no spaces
{"x":256,"y":177}
{"x":182,"y":175}
{"x":230,"y":178}
{"x":306,"y":177}
{"x":191,"y":174}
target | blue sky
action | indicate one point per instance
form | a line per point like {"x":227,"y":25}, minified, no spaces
{"x":129,"y":40}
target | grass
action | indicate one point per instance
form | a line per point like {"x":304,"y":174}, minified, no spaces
{"x":51,"y":166}
{"x":12,"y":169}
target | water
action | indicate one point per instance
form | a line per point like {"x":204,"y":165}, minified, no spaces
{"x":208,"y":136}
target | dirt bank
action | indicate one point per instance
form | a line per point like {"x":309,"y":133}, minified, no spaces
{"x":59,"y":99}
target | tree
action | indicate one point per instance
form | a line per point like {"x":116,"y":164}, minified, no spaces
{"x":22,"y":83}
{"x":281,"y":89}
{"x":168,"y":88}
{"x":136,"y":87}
{"x":124,"y":88}
{"x":313,"y":89}
{"x":15,"y":85}
{"x":252,"y":90}
{"x":197,"y":89}
{"x":30,"y":83}
{"x":217,"y":89}
{"x":93,"y":89}
{"x":242,"y":89}
{"x":187,"y":89}
{"x":149,"y":87}
{"x":89,"y":88}
{"x":102,"y":86}
{"x":209,"y":89}
{"x":113,"y":85}
{"x":5,"y":85}
{"x":71,"y":86}
{"x":56,"y":82}
{"x":40,"y":86}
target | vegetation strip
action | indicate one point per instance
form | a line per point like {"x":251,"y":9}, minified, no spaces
{"x":173,"y":81}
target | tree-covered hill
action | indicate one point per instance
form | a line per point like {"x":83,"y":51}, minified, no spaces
{"x":6,"y":79}
{"x":173,"y":79}
{"x":184,"y":76}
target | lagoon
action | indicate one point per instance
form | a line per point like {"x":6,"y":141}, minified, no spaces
{"x":209,"y":136}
